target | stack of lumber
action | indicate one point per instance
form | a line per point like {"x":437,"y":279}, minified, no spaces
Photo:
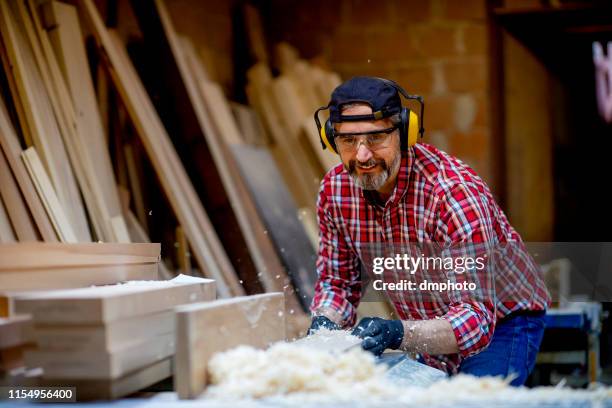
{"x":109,"y":341}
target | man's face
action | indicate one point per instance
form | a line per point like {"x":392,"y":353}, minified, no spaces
{"x":372,"y":168}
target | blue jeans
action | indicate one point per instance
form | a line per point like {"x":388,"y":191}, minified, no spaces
{"x":512,"y":350}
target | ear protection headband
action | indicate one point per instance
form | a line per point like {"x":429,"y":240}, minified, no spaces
{"x":408,"y":127}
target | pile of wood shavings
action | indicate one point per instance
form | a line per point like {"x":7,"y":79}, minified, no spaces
{"x":289,"y":373}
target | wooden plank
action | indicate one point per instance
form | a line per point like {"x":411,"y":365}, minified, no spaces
{"x":65,"y":35}
{"x":112,"y":389}
{"x":12,"y":150}
{"x":70,"y":124}
{"x":327,"y":159}
{"x":104,"y":304}
{"x":168,"y":167}
{"x":250,"y":126}
{"x":41,"y":121}
{"x":15,"y":206}
{"x":257,"y":321}
{"x":74,"y":277}
{"x":47,"y":194}
{"x":15,"y":331}
{"x":119,"y":229}
{"x":101,"y":365}
{"x":290,"y":157}
{"x":54,"y":255}
{"x":108,"y":338}
{"x":134,"y":172}
{"x":182,"y":251}
{"x":6,"y":230}
{"x":280,"y":214}
{"x":294,"y":111}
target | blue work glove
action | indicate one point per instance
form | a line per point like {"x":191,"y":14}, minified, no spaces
{"x":379,"y":334}
{"x":319,"y":322}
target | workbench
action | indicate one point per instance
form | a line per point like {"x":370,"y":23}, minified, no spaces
{"x":585,"y":317}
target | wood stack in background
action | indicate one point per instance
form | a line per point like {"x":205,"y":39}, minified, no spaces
{"x":112,"y":340}
{"x":100,"y":154}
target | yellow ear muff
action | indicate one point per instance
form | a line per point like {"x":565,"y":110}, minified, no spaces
{"x":326,"y":141}
{"x":413,"y":128}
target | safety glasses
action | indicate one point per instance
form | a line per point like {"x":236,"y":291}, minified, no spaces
{"x":373,"y":139}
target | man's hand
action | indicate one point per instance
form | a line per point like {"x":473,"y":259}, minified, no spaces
{"x":319,"y":322}
{"x":379,"y":334}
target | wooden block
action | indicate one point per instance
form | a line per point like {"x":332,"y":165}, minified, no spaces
{"x":49,"y":198}
{"x":207,"y":328}
{"x":109,"y":338}
{"x":104,"y":304}
{"x":112,"y":389}
{"x":9,"y":143}
{"x":101,"y":365}
{"x":173,"y":178}
{"x":15,"y":331}
{"x":6,"y":230}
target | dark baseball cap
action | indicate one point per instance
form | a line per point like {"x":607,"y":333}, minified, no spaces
{"x":380,"y":94}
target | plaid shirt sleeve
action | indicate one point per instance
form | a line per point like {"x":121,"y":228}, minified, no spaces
{"x":464,"y":217}
{"x":338,"y":288}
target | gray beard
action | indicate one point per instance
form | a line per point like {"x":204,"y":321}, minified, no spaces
{"x":375,"y":181}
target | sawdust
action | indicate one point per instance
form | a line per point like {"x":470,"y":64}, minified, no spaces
{"x":294,"y":374}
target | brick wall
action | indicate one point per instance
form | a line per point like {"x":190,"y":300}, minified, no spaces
{"x":437,"y":48}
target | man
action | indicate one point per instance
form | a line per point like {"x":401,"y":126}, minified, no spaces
{"x":390,"y":190}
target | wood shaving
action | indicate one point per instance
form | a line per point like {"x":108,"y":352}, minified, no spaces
{"x":293,"y":374}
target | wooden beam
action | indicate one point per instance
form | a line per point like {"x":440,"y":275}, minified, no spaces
{"x":257,"y":321}
{"x":183,"y":199}
{"x":9,"y":143}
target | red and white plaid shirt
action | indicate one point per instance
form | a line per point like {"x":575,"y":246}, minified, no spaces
{"x":437,"y":198}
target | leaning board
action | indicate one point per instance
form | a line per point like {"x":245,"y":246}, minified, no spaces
{"x":207,"y":328}
{"x":279,"y":212}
